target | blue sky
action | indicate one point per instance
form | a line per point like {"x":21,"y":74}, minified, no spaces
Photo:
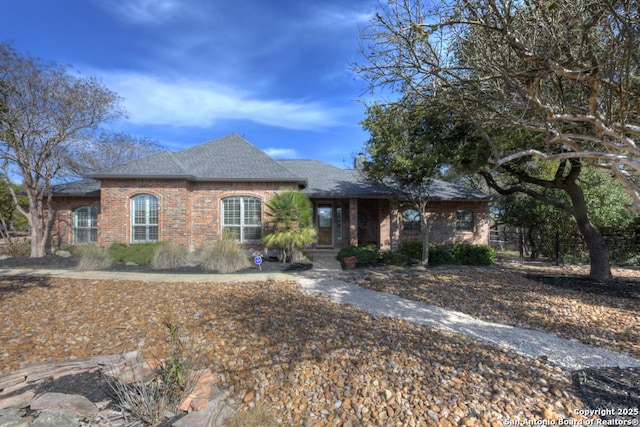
{"x":276,"y":72}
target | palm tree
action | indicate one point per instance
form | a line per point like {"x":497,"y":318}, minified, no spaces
{"x":291,"y":217}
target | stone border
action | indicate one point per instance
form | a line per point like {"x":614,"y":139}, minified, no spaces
{"x":205,"y":406}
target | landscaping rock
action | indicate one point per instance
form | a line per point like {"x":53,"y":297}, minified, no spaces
{"x":206,"y":405}
{"x":78,"y":405}
{"x":11,"y":418}
{"x":58,"y":418}
{"x":63,"y":253}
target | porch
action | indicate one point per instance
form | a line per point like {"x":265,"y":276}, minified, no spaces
{"x":352,"y":222}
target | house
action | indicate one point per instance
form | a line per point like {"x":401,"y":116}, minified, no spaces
{"x":189,"y":197}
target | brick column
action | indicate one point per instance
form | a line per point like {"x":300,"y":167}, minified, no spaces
{"x":353,"y":222}
{"x":395,"y":223}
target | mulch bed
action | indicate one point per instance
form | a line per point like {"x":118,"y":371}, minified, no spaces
{"x":57,"y":262}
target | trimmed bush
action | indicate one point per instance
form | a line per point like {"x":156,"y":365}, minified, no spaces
{"x":139,"y":253}
{"x":473,"y":254}
{"x":395,"y":258}
{"x":365,"y":255}
{"x":169,"y":255}
{"x":411,"y":249}
{"x":462,"y":253}
{"x":94,"y":257}
{"x":440,"y":255}
{"x":459,"y":253}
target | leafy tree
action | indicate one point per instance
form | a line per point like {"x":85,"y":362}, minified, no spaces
{"x":406,"y":150}
{"x":44,"y":112}
{"x":10,"y":218}
{"x":563,"y":73}
{"x":291,"y":216}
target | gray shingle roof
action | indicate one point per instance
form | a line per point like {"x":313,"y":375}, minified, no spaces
{"x":232,"y":158}
{"x":163,"y":164}
{"x":227,"y":158}
{"x":325,"y":180}
{"x":85,"y":187}
{"x":328,"y":181}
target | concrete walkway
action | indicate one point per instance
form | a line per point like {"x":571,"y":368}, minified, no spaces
{"x":568,"y":354}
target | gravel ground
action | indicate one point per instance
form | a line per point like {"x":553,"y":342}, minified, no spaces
{"x":554,"y":299}
{"x":314,"y":362}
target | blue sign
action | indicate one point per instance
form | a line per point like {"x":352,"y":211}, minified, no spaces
{"x":257,"y":260}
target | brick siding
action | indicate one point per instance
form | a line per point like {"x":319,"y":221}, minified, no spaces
{"x":189,"y":214}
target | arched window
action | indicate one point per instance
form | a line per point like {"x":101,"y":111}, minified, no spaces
{"x":243,"y":216}
{"x":464,"y":220}
{"x":85,"y":225}
{"x":144,"y":218}
{"x":410,"y":220}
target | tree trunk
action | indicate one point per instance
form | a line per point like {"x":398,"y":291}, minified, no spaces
{"x":38,"y":242}
{"x":39,"y":220}
{"x":424,"y":222}
{"x":600,"y":267}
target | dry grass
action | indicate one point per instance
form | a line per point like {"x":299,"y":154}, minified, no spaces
{"x":174,"y":379}
{"x":169,"y":255}
{"x":224,"y":256}
{"x":94,"y":257}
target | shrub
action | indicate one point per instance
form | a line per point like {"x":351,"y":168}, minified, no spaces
{"x":224,"y":255}
{"x":440,"y":255}
{"x":461,"y":253}
{"x":395,"y":258}
{"x":411,"y":249}
{"x":473,"y":254}
{"x":169,"y":255}
{"x":139,"y":253}
{"x":365,"y":255}
{"x":93,"y":257}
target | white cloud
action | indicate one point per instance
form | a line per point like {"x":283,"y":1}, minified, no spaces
{"x":281,"y":153}
{"x":153,"y":101}
{"x":144,"y":11}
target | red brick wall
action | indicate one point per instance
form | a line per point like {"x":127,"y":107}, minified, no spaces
{"x":189,"y":212}
{"x":62,"y":228}
{"x":442,"y":222}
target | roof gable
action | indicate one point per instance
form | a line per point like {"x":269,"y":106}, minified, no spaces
{"x":233,"y":157}
{"x":230,"y":158}
{"x":157,"y":165}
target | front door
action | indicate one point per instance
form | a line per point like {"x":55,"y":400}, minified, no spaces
{"x":324,"y":215}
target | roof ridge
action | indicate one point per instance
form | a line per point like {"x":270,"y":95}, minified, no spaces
{"x":177,"y":162}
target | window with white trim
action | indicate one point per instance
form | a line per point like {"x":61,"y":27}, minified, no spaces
{"x":85,"y":225}
{"x":464,"y":220}
{"x":243,"y":216}
{"x":144,"y":218}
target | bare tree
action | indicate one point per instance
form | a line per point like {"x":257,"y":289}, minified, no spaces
{"x":564,"y":71}
{"x":44,"y":111}
{"x":107,"y":150}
